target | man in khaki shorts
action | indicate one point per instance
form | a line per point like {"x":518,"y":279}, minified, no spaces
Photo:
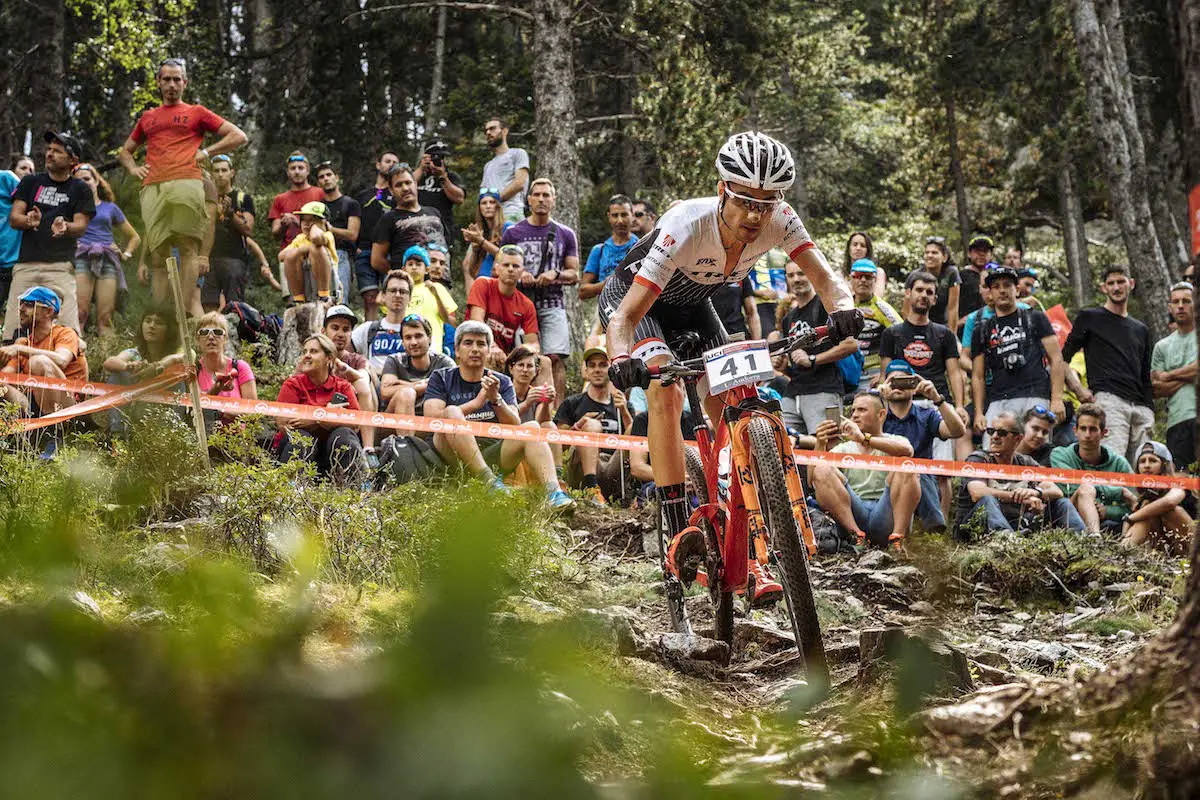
{"x":174,"y":201}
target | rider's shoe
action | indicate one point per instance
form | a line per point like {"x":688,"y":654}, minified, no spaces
{"x":766,"y":588}
{"x":686,"y":553}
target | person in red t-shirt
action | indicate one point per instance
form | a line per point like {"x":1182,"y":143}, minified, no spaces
{"x":497,"y":302}
{"x":174,"y":204}
{"x":335,"y":448}
{"x":285,"y":222}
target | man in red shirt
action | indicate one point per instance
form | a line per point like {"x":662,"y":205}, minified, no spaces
{"x":173,"y":191}
{"x":285,"y":222}
{"x":497,"y":302}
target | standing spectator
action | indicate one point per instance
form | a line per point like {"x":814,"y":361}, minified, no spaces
{"x":937,"y":263}
{"x":99,"y":266}
{"x":878,"y":315}
{"x":52,"y":210}
{"x":604,"y":258}
{"x":431,"y":301}
{"x":551,"y":262}
{"x":352,"y":367}
{"x":10,"y":237}
{"x":374,"y":202}
{"x":1157,"y":512}
{"x":344,"y":216}
{"x":175,"y":199}
{"x":1039,"y":427}
{"x":1008,"y":505}
{"x":599,"y":408}
{"x":406,"y":375}
{"x":979,"y":255}
{"x":1011,"y":352}
{"x":734,"y":304}
{"x":439,"y":265}
{"x":769,"y":277}
{"x":922,"y":426}
{"x":645,"y":218}
{"x":335,"y":449}
{"x":380,"y":338}
{"x":312,"y":246}
{"x":498,"y":303}
{"x":230,"y":256}
{"x":438,"y":187}
{"x":508,"y":171}
{"x":858,"y":247}
{"x":48,"y":350}
{"x":1117,"y":351}
{"x":1026,"y":286}
{"x":483,"y":236}
{"x":1095,"y":504}
{"x":867,"y":503}
{"x":1014,"y":258}
{"x":1173,"y":372}
{"x":408,"y":223}
{"x":285,"y":223}
{"x":814,"y":380}
{"x":470,"y":391}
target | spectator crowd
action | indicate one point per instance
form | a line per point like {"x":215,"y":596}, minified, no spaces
{"x":964,"y":364}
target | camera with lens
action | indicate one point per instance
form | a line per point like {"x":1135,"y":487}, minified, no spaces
{"x":437,"y":150}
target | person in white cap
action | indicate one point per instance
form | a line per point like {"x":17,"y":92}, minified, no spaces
{"x":1157,"y":511}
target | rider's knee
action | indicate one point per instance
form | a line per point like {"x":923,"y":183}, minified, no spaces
{"x":667,"y":398}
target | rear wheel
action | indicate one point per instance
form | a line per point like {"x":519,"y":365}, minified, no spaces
{"x":785,"y":540}
{"x":722,"y":601}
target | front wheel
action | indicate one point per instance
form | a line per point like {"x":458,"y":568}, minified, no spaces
{"x":785,"y":540}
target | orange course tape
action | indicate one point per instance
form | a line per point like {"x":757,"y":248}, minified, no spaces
{"x":151,"y":391}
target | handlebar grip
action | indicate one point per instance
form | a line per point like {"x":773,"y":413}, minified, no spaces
{"x":821,"y":332}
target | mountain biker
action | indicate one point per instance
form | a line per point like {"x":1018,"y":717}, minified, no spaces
{"x":662,"y":289}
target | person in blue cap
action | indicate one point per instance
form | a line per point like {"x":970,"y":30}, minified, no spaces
{"x":878,"y":315}
{"x":46,"y":349}
{"x":429,"y":300}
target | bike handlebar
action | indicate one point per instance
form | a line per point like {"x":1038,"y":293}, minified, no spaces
{"x":694,"y":367}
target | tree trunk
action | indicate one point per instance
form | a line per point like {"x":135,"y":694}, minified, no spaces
{"x":46,"y":70}
{"x":956,"y":172}
{"x":1099,"y":39}
{"x":260,"y":40}
{"x":554,"y":118}
{"x":1074,"y":235}
{"x":1185,"y":21}
{"x":432,"y":110}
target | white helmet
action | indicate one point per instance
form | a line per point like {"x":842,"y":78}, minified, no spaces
{"x":756,"y":160}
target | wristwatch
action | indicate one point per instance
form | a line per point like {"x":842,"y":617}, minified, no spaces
{"x":939,"y":401}
{"x":205,"y":151}
{"x":866,"y":440}
{"x":812,"y":361}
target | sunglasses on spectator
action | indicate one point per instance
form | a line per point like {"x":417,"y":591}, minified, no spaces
{"x":755,"y":204}
{"x":512,"y":250}
{"x":222,"y":157}
{"x":1042,"y":411}
{"x":1000,"y":432}
{"x":936,"y":240}
{"x":326,"y":165}
{"x":1182,"y":285}
{"x":204,"y":333}
{"x":639,"y":214}
{"x":292,"y":159}
{"x":488,"y":190}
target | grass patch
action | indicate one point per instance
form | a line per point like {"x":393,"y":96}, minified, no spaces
{"x":1108,"y":625}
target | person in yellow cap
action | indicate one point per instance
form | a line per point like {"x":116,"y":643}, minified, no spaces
{"x":313,"y":245}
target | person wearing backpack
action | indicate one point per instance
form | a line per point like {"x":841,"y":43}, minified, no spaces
{"x":1017,"y":361}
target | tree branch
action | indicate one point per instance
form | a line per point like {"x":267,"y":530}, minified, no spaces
{"x":609,"y":118}
{"x":460,"y":5}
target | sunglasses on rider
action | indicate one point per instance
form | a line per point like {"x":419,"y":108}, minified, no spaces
{"x":756,"y":204}
{"x":1045,"y":413}
{"x":204,"y":333}
{"x":1000,"y":432}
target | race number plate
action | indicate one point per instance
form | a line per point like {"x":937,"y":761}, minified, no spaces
{"x":738,"y":364}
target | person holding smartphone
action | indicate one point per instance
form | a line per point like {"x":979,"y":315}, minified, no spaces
{"x":332,"y":445}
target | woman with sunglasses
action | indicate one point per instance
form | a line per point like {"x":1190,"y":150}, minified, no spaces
{"x":483,"y":236}
{"x":98,"y":270}
{"x":217,"y":373}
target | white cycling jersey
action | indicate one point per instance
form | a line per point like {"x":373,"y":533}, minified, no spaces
{"x":684,"y":262}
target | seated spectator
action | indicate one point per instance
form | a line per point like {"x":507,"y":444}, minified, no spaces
{"x":867,"y":503}
{"x":1095,"y":504}
{"x":599,"y":408}
{"x":98,"y":261}
{"x":439,"y":264}
{"x":502,"y":307}
{"x":381,"y":338}
{"x":534,"y":402}
{"x":157,"y":346}
{"x":1010,"y":505}
{"x":406,"y":375}
{"x":314,"y":246}
{"x":470,"y":391}
{"x":922,"y":426}
{"x":48,"y":350}
{"x":483,"y":236}
{"x":639,"y":460}
{"x":216,"y":373}
{"x":431,"y":301}
{"x":1158,"y":512}
{"x":335,"y":448}
{"x":352,"y":367}
{"x":1039,"y":427}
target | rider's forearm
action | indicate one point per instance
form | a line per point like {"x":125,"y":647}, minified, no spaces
{"x":834,"y":293}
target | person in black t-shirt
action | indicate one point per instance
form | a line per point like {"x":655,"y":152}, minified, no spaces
{"x":735,"y":306}
{"x":52,"y":209}
{"x":405,"y":375}
{"x":407,"y":224}
{"x":373,"y":203}
{"x":1017,"y":360}
{"x":815,"y":382}
{"x":344,"y":216}
{"x":599,"y":408}
{"x":230,"y":257}
{"x":979,"y":256}
{"x":438,"y":187}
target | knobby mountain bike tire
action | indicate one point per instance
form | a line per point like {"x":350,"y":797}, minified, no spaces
{"x":785,"y":540}
{"x":722,"y":600}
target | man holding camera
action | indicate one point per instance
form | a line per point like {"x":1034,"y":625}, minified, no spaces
{"x":437,"y":187}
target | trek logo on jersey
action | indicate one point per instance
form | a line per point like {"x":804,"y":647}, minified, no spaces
{"x":51,"y":196}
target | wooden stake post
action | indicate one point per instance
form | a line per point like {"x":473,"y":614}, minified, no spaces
{"x":189,"y":357}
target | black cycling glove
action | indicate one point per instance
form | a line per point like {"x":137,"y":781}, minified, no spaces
{"x":626,"y":372}
{"x":845,"y":324}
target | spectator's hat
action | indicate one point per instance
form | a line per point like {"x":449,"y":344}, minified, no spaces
{"x":314,"y":209}
{"x":341,"y":311}
{"x":981,"y":241}
{"x":899,"y":365}
{"x":69,"y":142}
{"x":999,"y":273}
{"x":1159,"y":449}
{"x":436,"y":146}
{"x":41,"y":296}
{"x":864,"y":265}
{"x":594,"y":351}
{"x":416,"y":251}
{"x":1027,"y":272}
{"x":485,"y":191}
